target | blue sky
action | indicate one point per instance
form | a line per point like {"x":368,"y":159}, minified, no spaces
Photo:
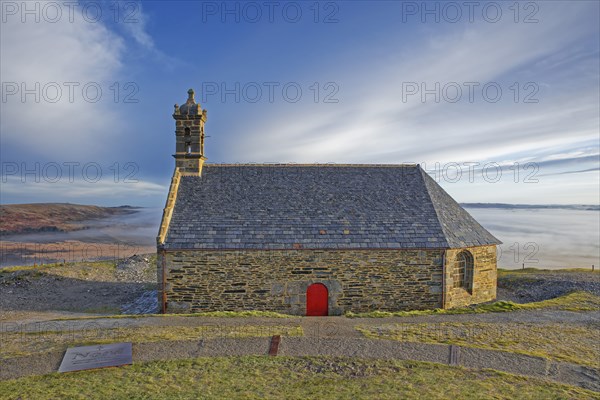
{"x":499,"y":102}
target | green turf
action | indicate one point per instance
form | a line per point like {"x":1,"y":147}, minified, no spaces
{"x":263,"y":377}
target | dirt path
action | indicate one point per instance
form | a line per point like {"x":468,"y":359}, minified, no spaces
{"x":312,"y":326}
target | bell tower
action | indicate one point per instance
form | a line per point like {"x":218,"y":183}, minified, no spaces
{"x":189,"y":136}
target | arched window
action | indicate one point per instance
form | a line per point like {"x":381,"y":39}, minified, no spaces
{"x":463,"y":271}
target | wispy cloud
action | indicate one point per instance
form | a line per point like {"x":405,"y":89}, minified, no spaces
{"x":372,"y":117}
{"x":102,"y":192}
{"x":137,"y":26}
{"x":62,"y":64}
{"x":372,"y":122}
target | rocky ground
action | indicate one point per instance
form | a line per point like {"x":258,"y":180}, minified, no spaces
{"x":535,"y":285}
{"x":127,"y":287}
{"x":139,"y":269}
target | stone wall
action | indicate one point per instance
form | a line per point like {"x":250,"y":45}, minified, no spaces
{"x":357,"y":280}
{"x":170,"y":204}
{"x":484,"y":277}
{"x":276,"y":280}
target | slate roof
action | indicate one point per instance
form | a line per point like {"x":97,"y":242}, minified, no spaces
{"x":318,"y":206}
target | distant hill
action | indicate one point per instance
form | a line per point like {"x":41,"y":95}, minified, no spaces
{"x":53,"y":217}
{"x":586,"y":207}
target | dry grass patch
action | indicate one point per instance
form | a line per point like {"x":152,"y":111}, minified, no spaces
{"x":101,"y":271}
{"x":576,"y":301}
{"x":262,"y":377}
{"x":577,"y":344}
{"x":525,"y":271}
{"x":26,"y":343}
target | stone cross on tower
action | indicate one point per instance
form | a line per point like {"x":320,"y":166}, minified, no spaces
{"x":189,"y":136}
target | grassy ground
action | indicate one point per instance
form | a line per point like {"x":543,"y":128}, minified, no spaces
{"x":90,"y":270}
{"x":216,"y":314}
{"x":27,"y":343}
{"x":86,"y":270}
{"x":577,"y":301}
{"x":503,"y":271}
{"x":262,"y":377}
{"x":578,"y":344}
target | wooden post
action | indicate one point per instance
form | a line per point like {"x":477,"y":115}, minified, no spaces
{"x":274,"y":347}
{"x":454,"y":358}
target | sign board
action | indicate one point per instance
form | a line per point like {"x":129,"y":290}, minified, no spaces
{"x":97,"y":356}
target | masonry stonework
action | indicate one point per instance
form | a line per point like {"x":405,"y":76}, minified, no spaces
{"x":357,"y":280}
{"x":484,"y":277}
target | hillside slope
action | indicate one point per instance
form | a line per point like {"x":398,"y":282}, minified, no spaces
{"x":52,"y":217}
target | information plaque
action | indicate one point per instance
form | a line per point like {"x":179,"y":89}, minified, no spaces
{"x":97,"y":356}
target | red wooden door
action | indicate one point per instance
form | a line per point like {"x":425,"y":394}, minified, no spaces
{"x":316,"y":300}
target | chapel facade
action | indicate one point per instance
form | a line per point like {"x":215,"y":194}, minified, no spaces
{"x":313,"y":239}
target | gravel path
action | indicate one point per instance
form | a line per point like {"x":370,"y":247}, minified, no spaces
{"x":312,"y":326}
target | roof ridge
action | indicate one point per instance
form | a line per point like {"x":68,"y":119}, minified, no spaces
{"x":275,"y":164}
{"x":451,"y":235}
{"x":435,"y":210}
